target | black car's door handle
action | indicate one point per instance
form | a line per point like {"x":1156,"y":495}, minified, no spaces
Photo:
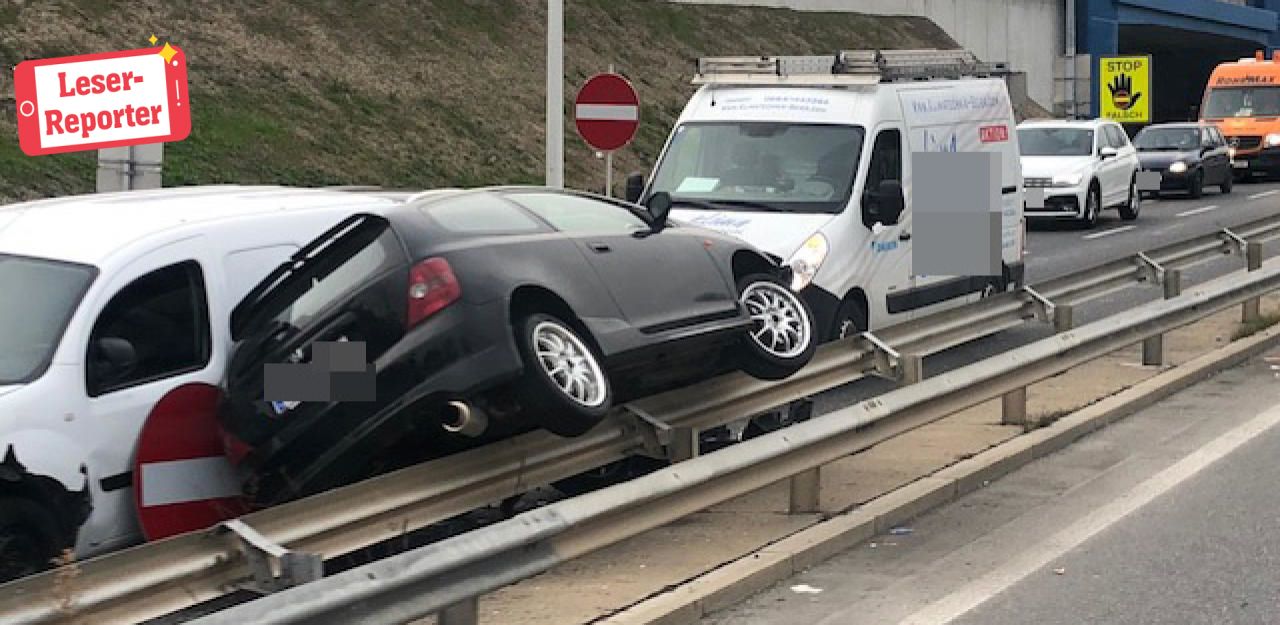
{"x":598,"y":247}
{"x":905,"y":236}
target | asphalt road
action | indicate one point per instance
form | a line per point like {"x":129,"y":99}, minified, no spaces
{"x":1169,"y":517}
{"x":1058,"y":249}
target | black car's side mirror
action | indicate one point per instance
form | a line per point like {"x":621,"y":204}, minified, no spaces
{"x":111,"y":359}
{"x":635,"y":186}
{"x":659,"y":206}
{"x":886,"y":202}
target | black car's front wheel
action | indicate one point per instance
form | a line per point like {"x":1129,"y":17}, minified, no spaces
{"x":564,"y":388}
{"x":781,"y":339}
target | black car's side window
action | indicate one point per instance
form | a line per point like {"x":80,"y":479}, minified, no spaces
{"x":886,"y":164}
{"x":154,"y":328}
{"x":481,"y":214}
{"x":580,"y":215}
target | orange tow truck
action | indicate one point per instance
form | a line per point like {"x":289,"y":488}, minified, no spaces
{"x":1243,"y":100}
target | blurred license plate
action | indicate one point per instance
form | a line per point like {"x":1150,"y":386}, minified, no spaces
{"x":1240,"y":164}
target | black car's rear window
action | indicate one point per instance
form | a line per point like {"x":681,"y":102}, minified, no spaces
{"x":326,"y":271}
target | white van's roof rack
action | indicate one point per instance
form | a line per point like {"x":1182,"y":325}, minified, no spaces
{"x":847,"y":67}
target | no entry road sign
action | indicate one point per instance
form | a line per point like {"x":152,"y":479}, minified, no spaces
{"x":607,"y":112}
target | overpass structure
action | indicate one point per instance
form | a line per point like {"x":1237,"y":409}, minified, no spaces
{"x":1057,"y":43}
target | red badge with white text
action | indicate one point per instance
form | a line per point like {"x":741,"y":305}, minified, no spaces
{"x":112,"y":99}
{"x":993,"y":134}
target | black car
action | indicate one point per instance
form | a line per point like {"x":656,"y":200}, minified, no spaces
{"x":1188,"y":157}
{"x":490,"y":310}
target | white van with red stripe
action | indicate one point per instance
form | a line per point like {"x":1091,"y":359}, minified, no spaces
{"x":114,"y":335}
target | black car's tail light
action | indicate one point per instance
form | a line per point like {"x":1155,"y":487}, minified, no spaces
{"x":432,"y":286}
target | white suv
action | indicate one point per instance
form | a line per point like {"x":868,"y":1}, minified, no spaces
{"x":1083,"y":166}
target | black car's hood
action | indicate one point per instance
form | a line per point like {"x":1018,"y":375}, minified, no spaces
{"x":1161,"y":159}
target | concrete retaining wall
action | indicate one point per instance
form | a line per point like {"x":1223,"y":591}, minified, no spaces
{"x":1028,"y":34}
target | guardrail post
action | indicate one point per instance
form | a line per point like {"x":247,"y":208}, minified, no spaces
{"x":1013,"y":407}
{"x":1062,"y":318}
{"x":1251,"y":310}
{"x":806,"y":491}
{"x":912,"y":368}
{"x":462,"y":613}
{"x":684,"y":444}
{"x":1153,"y":347}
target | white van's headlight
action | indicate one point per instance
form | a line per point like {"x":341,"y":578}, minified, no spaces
{"x":1178,"y":167}
{"x":1273,"y":139}
{"x":806,"y":261}
{"x":1067,"y":180}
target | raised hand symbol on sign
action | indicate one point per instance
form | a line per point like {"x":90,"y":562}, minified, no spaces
{"x":1122,"y":94}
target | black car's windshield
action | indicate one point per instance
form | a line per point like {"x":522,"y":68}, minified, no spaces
{"x":807,"y":168}
{"x":1055,"y":141}
{"x":1181,"y":139}
{"x":320,"y":276}
{"x":37,"y":299}
{"x":1226,"y":102}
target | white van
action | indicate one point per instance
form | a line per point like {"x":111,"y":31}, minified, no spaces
{"x":808,"y":158}
{"x":110,"y":304}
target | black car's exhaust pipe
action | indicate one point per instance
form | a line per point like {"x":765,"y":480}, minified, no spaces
{"x":462,"y":418}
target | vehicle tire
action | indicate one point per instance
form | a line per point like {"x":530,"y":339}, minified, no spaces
{"x":29,"y":539}
{"x":1132,"y":206}
{"x":1092,"y":206}
{"x":781,"y":341}
{"x":564,"y":388}
{"x":851,"y":318}
{"x":1227,"y":182}
{"x":1195,"y":188}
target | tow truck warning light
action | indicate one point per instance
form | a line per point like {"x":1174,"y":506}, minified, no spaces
{"x":104,"y":100}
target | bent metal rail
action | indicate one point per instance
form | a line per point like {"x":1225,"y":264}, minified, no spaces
{"x":158,"y":578}
{"x":451,"y":574}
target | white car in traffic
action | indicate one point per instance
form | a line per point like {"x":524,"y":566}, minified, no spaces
{"x":1081,"y":167}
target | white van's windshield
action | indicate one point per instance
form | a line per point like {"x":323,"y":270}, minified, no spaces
{"x":784,"y":167}
{"x":37,"y":298}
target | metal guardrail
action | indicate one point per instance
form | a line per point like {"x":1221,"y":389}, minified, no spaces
{"x":451,"y":574}
{"x":158,"y":578}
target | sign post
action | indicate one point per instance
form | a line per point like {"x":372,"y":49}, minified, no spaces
{"x":555,"y":93}
{"x":607,"y":114}
{"x":1124,"y":88}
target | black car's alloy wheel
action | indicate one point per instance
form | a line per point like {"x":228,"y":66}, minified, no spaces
{"x":564,"y":387}
{"x":781,"y":339}
{"x":1196,"y":187}
{"x":28,"y":540}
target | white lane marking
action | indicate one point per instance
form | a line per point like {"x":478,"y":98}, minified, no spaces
{"x":182,"y":481}
{"x":984,"y":588}
{"x":1264,"y":194}
{"x":1197,"y":211}
{"x":623,"y":112}
{"x":1107,"y":233}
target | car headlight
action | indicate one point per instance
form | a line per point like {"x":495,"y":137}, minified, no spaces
{"x":1272,"y":140}
{"x":1178,"y":167}
{"x":805,"y":261}
{"x":1067,"y":180}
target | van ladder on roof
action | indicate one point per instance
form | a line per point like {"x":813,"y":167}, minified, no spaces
{"x":847,"y":67}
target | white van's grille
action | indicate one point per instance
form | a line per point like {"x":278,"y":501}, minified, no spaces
{"x":1037,"y":183}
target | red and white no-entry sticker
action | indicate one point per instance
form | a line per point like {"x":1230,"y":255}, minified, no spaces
{"x":183,"y":478}
{"x":607,"y":112}
{"x":105,"y":100}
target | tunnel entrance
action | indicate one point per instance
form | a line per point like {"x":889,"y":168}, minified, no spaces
{"x":1181,"y":61}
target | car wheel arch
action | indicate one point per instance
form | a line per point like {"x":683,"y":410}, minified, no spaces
{"x":70,"y":507}
{"x":529,"y":298}
{"x":746,"y":262}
